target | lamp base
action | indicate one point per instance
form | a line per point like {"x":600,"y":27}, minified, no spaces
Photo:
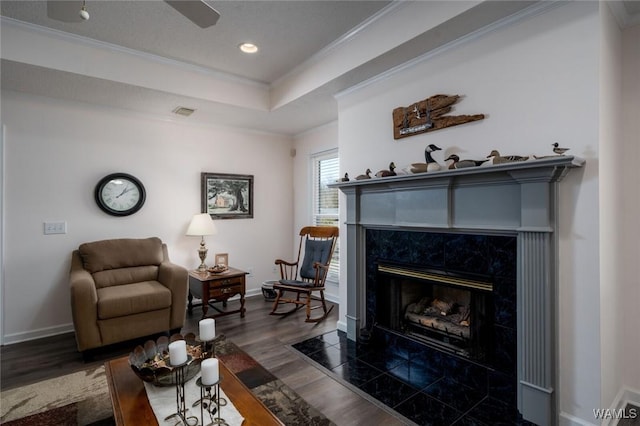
{"x":202,"y":253}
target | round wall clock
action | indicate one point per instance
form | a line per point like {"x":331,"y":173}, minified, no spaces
{"x":120,"y":194}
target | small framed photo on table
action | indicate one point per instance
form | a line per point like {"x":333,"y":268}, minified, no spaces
{"x":222,"y":259}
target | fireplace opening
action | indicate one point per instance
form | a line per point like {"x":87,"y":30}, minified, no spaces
{"x":441,"y":309}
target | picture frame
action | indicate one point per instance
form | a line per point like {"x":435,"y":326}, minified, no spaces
{"x":227,"y":196}
{"x":222,"y":259}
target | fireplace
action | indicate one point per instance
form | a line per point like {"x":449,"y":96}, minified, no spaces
{"x":495,"y":225}
{"x":445,"y":310}
{"x":436,"y":277}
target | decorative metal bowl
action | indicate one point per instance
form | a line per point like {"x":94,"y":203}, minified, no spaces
{"x":151,"y":361}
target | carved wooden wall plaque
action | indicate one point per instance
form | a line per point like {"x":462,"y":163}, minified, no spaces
{"x":428,"y":115}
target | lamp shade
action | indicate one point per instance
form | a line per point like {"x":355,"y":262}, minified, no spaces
{"x":201,"y":224}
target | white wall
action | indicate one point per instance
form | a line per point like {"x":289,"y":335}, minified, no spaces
{"x":55,"y":153}
{"x":629,"y":210}
{"x":612,"y":176}
{"x":306,"y":145}
{"x":620,"y":207}
{"x":537,"y":80}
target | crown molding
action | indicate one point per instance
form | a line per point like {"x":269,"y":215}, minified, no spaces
{"x":341,"y":41}
{"x":113,"y":48}
{"x":624,"y":18}
{"x":526,"y":13}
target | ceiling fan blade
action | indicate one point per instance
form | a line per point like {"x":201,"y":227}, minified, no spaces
{"x":198,"y":11}
{"x":65,"y":11}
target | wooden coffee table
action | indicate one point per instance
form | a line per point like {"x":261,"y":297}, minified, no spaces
{"x":131,"y":406}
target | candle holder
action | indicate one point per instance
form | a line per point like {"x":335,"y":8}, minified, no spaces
{"x":208,"y":347}
{"x":181,"y":406}
{"x":211,"y":402}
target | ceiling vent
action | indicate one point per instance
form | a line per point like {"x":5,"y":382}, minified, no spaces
{"x":184,"y":111}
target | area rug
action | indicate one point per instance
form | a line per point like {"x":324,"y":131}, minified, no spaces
{"x":82,"y":398}
{"x":286,"y":404}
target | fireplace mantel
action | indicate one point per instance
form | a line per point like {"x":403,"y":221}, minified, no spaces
{"x":512,"y":197}
{"x":518,"y":198}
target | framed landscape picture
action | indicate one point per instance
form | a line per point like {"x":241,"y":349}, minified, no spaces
{"x":227,"y":196}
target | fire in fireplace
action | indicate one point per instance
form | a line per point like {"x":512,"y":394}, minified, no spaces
{"x":448,"y":311}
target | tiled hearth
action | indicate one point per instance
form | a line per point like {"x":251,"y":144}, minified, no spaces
{"x":395,"y":375}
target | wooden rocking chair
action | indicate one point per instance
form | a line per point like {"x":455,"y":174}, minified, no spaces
{"x":308,"y":277}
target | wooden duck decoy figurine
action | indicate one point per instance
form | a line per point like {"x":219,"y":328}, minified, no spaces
{"x":557,"y":149}
{"x":390,"y":172}
{"x":345,"y":178}
{"x":462,"y":164}
{"x":498,"y":159}
{"x":432,"y":165}
{"x":366,"y":175}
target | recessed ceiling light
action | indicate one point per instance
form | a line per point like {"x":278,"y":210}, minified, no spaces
{"x":248,"y":48}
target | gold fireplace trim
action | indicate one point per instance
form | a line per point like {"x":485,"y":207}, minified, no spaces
{"x":460,"y":282}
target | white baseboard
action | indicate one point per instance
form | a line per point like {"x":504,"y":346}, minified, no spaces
{"x":253,"y":292}
{"x":625,"y":396}
{"x":332,"y":298}
{"x":566,"y":419}
{"x":40,"y":333}
{"x":342,"y":326}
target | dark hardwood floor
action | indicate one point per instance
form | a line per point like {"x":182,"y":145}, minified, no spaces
{"x":266,"y":338}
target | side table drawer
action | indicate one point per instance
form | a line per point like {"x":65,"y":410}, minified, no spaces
{"x":224,"y":292}
{"x":228,"y":281}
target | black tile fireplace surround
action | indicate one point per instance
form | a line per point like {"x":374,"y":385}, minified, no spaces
{"x":494,"y":258}
{"x":490,"y":256}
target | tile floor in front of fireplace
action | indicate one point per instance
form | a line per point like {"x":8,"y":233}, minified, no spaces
{"x":415,"y":393}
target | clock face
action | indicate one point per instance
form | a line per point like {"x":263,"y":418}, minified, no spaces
{"x":120,"y":194}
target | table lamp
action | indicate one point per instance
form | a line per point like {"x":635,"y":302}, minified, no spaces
{"x":202,"y":225}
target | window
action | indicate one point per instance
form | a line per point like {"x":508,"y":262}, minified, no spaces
{"x":325,"y":200}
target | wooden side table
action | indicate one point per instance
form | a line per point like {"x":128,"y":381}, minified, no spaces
{"x":212,"y":288}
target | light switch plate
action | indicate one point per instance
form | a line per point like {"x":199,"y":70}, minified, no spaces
{"x":55,"y":228}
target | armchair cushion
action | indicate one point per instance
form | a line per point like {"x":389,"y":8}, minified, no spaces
{"x":120,"y":253}
{"x":129,"y":299}
{"x":133,"y":274}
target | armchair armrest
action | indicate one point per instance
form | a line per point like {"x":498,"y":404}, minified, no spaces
{"x":176,"y":279}
{"x":84,"y":305}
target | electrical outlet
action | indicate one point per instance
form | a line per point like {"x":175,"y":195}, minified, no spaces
{"x":250,"y":271}
{"x":55,"y":228}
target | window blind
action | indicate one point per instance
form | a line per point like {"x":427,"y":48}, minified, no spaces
{"x":325,"y":210}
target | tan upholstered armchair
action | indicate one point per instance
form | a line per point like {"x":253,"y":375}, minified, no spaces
{"x":122,"y":289}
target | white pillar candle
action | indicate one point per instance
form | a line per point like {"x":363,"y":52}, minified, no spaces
{"x":210,"y":371}
{"x":207,"y":329}
{"x":178,"y":352}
